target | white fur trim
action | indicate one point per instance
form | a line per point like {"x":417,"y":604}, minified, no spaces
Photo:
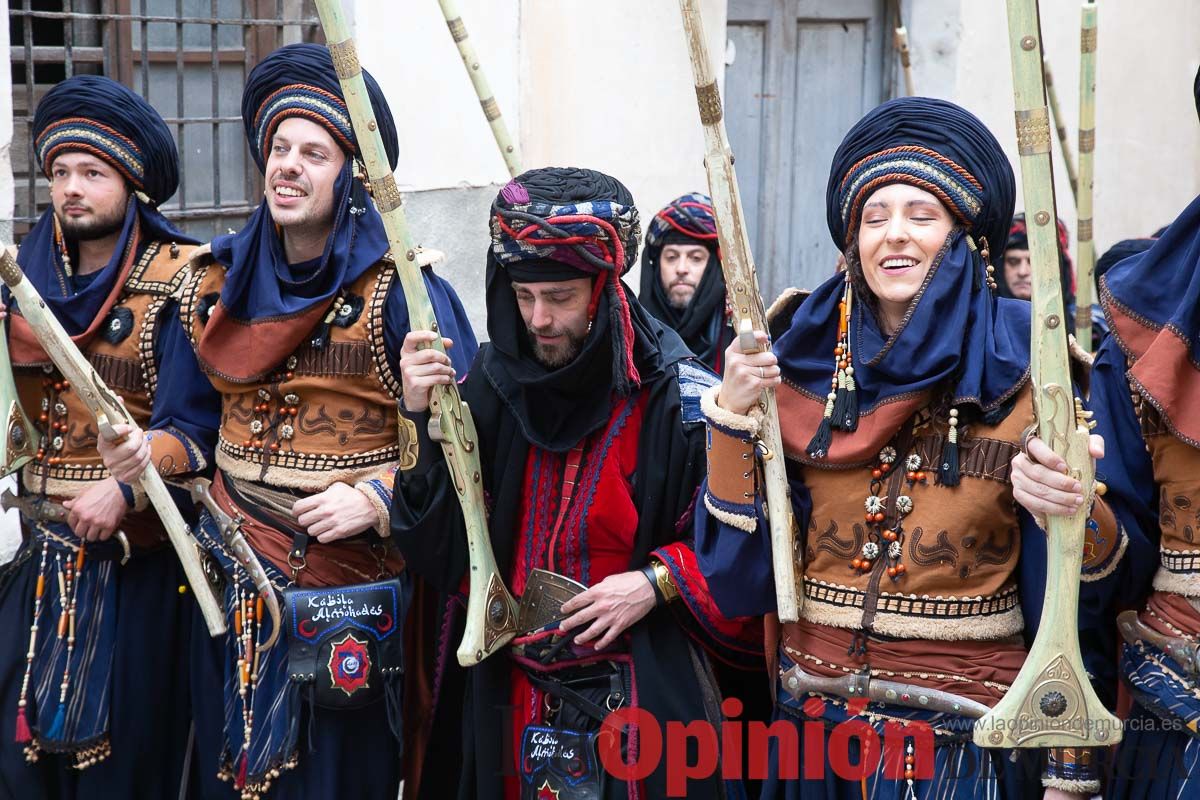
{"x":748,"y":424}
{"x":1187,"y":585}
{"x":1088,"y":788}
{"x":743,"y":522}
{"x":305,"y":480}
{"x":991,"y":626}
{"x":383,"y":511}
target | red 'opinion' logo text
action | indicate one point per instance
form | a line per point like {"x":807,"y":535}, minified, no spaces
{"x":697,"y":750}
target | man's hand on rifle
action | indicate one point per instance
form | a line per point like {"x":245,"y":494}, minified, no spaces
{"x":746,"y":375}
{"x":127,"y":456}
{"x":338,"y":512}
{"x":1041,"y":483}
{"x":422,"y":369}
{"x":95,"y":514}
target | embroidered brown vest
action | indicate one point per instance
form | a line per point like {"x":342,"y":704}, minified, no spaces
{"x":959,"y":546}
{"x":1177,"y":475}
{"x":326,"y":414}
{"x":123,"y":355}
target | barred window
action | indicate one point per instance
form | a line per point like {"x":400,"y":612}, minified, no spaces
{"x":189,"y":58}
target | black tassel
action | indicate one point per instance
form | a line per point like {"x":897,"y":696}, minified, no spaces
{"x":320,"y":336}
{"x":821,"y":440}
{"x":839,"y":404}
{"x":850,"y":420}
{"x":948,"y":470}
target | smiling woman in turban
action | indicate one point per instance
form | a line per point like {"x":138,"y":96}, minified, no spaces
{"x":903,"y":389}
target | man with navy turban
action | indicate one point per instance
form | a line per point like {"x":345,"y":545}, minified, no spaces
{"x":682,"y":284}
{"x":297,"y":322}
{"x":95,"y":670}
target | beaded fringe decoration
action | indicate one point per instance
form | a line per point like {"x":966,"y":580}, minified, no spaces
{"x":841,"y":404}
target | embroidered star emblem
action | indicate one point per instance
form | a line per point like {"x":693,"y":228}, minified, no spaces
{"x":349,"y":664}
{"x":546,"y":793}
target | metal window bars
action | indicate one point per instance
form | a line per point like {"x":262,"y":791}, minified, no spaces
{"x":189,"y":58}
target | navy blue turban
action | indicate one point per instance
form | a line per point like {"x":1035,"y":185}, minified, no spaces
{"x":934,"y":145}
{"x":97,"y":115}
{"x":299,"y":81}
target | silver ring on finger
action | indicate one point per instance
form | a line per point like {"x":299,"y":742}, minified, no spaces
{"x":762,"y":374}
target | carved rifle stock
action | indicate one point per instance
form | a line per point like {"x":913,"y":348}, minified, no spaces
{"x":1051,"y":703}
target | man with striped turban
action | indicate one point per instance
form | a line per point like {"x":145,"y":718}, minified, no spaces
{"x":297,"y":322}
{"x":682,"y":283}
{"x":94,"y":676}
{"x":592,"y":446}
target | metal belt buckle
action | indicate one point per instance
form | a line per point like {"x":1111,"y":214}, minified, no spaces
{"x":542,"y":601}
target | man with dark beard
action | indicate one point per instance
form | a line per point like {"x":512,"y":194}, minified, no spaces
{"x":297,"y":321}
{"x":95,"y":669}
{"x":682,"y":283}
{"x":592,"y":447}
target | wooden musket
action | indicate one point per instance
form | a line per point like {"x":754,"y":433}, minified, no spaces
{"x":1051,"y":703}
{"x":741,"y":282}
{"x":900,"y":42}
{"x":1085,"y":254}
{"x":1060,"y":127}
{"x":487,"y":100}
{"x":491,"y":611}
{"x":109,"y":411}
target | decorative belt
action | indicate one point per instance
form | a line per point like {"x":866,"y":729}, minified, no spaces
{"x":42,"y":510}
{"x":1186,"y":653}
{"x":862,"y":685}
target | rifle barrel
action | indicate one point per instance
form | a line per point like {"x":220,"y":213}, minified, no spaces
{"x":491,"y":611}
{"x":483,"y":90}
{"x":1051,"y":702}
{"x":1085,"y":263}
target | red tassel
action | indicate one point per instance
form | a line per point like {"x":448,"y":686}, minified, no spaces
{"x":24,"y":735}
{"x":241,"y":776}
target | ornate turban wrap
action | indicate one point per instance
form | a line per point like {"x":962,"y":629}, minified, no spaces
{"x":934,"y":145}
{"x":555,"y":224}
{"x":558,"y":224}
{"x":102,"y":118}
{"x":92,"y":114}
